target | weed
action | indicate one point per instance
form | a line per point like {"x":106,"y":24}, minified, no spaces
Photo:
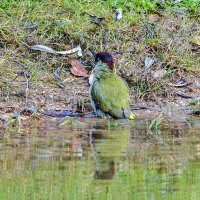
{"x":154,"y":126}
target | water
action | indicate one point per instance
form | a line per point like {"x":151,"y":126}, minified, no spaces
{"x":99,"y":159}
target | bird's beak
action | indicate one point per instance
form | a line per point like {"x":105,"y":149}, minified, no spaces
{"x":93,"y":54}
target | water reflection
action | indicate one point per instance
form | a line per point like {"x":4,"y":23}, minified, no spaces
{"x":101,"y":160}
{"x":108,"y":145}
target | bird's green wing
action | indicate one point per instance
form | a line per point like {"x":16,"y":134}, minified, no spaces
{"x":115,"y":90}
{"x":99,"y":97}
{"x":111,"y":95}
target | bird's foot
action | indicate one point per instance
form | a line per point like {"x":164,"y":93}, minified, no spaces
{"x":103,"y":115}
{"x":90,"y":115}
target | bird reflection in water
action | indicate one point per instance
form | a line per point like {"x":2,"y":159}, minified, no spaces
{"x":108,"y":146}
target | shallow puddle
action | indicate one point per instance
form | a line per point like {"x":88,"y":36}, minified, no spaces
{"x":99,"y":159}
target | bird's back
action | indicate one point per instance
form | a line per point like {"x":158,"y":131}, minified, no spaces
{"x":111,"y":94}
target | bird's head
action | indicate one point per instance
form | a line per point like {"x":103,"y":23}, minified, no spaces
{"x":106,"y":58}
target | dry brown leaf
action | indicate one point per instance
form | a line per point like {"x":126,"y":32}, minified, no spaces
{"x":196,"y":40}
{"x":153,"y":17}
{"x":77,"y":68}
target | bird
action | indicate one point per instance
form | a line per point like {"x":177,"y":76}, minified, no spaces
{"x":109,"y":93}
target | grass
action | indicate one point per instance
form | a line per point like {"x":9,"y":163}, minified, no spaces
{"x":155,"y":124}
{"x":65,"y":24}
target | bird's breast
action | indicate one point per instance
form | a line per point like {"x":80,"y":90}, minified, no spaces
{"x":91,"y":78}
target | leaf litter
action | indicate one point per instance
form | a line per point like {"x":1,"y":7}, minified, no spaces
{"x":77,"y":68}
{"x":40,"y":47}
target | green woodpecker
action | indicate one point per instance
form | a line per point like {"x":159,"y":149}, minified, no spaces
{"x":109,"y":93}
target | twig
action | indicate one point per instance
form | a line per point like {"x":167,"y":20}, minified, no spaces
{"x":179,"y":93}
{"x":149,"y":31}
{"x":104,"y":37}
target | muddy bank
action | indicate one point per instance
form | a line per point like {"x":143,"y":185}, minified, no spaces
{"x":162,"y":69}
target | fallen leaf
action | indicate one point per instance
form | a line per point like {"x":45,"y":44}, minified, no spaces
{"x":148,"y":62}
{"x":153,"y":17}
{"x":40,"y":47}
{"x":30,"y":25}
{"x":118,"y":13}
{"x":196,"y":40}
{"x":56,"y":73}
{"x":95,"y":19}
{"x":77,"y":69}
{"x":177,"y":1}
{"x":182,"y":9}
{"x":58,"y":23}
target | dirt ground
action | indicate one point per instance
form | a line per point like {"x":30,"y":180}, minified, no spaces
{"x":28,"y":82}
